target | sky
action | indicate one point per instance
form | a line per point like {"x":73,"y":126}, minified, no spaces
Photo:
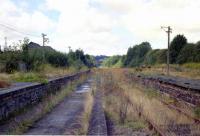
{"x":99,"y":27}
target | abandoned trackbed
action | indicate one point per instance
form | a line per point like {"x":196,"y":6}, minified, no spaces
{"x":97,"y":121}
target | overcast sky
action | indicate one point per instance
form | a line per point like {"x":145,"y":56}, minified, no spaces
{"x":106,"y":27}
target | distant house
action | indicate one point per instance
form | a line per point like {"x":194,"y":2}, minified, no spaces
{"x":33,"y":45}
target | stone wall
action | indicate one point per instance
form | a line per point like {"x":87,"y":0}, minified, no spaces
{"x":14,"y":99}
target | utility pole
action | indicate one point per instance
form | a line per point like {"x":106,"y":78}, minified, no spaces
{"x":44,"y":40}
{"x":168,"y":31}
{"x":5,"y":46}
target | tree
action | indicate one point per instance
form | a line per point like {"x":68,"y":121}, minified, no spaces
{"x":114,"y":61}
{"x":136,"y":55}
{"x":197,"y":52}
{"x":186,"y":54}
{"x":176,"y":45}
{"x":152,"y":57}
{"x":58,"y":59}
{"x":162,"y":56}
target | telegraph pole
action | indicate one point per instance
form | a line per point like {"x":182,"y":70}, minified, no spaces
{"x":168,"y":31}
{"x":5,"y":46}
{"x":44,"y":40}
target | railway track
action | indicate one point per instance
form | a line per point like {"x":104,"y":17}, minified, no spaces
{"x":188,"y":96}
{"x":167,"y":130}
{"x":180,"y":110}
{"x":196,"y":120}
{"x":152,"y":126}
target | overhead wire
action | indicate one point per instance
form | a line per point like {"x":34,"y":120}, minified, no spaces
{"x":20,"y":32}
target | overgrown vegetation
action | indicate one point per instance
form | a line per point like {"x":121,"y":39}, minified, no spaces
{"x":30,"y":56}
{"x":31,"y":61}
{"x":113,"y":61}
{"x":118,"y":106}
{"x":86,"y":113}
{"x":143,"y":103}
{"x":181,"y":52}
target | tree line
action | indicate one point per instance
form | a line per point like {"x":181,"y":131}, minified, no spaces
{"x":142,"y":54}
{"x":33,"y":57}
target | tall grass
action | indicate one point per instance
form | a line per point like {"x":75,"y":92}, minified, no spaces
{"x":117,"y":105}
{"x":86,"y":113}
{"x":144,"y":101}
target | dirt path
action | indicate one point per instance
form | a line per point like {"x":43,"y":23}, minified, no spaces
{"x":64,"y":118}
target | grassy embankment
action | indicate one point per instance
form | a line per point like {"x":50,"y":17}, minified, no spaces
{"x":42,"y":75}
{"x":23,"y":120}
{"x":130,"y":103}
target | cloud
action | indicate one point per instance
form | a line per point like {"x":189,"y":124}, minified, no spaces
{"x":142,"y":18}
{"x":28,"y":23}
{"x":105,"y":26}
{"x":83,"y":26}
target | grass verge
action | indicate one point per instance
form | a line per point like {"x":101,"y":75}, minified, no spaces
{"x":41,"y":75}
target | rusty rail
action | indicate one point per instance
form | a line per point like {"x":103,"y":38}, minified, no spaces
{"x":152,"y":126}
{"x":196,"y":120}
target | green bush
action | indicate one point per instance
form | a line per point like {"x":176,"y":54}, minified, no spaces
{"x":29,"y":77}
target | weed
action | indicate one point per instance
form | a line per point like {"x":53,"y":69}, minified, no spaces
{"x":136,"y":125}
{"x":117,"y":104}
{"x":145,"y":102}
{"x":197,"y":112}
{"x":86,"y":113}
